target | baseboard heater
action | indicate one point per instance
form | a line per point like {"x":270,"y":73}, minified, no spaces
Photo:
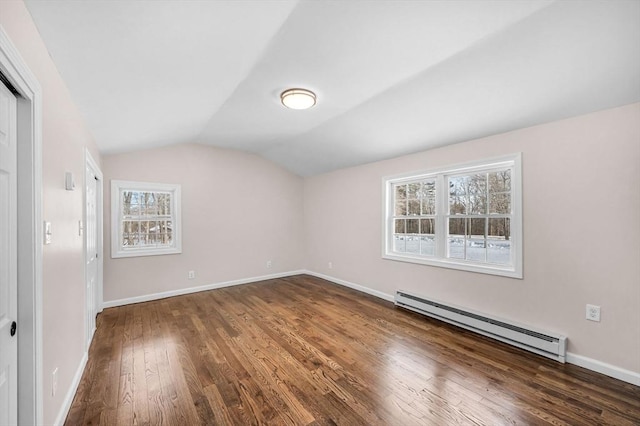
{"x":546,"y":344}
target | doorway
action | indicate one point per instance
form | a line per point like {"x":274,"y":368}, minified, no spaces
{"x":29,"y":233}
{"x":8,"y":258}
{"x":93,"y":244}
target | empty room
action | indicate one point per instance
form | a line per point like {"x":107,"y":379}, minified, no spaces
{"x":319,"y":212}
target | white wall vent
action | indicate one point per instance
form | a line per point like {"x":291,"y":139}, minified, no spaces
{"x":543,"y":343}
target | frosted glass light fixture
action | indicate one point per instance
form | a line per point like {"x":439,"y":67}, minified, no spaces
{"x":298,"y":98}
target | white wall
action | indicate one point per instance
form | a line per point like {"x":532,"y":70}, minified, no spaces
{"x":238,"y":212}
{"x":64,"y":138}
{"x":581,"y":232}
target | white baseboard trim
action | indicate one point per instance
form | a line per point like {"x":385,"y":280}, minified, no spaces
{"x":182,"y":291}
{"x":376,"y":293}
{"x":604,"y":368}
{"x":71,"y":392}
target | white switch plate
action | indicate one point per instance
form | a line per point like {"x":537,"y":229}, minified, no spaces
{"x":54,"y":382}
{"x":69,"y":181}
{"x":47,"y":232}
{"x":192,"y":275}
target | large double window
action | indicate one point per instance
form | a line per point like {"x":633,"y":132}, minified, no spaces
{"x":145,"y":219}
{"x":465,"y":217}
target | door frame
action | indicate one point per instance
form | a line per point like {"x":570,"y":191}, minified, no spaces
{"x":98,"y":295}
{"x":30,"y":237}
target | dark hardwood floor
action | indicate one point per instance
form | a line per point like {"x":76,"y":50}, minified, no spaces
{"x":301,"y":351}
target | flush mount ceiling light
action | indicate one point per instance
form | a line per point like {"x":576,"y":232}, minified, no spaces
{"x":298,"y":98}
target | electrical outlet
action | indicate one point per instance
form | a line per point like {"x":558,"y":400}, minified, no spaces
{"x":192,"y":275}
{"x":54,"y":382}
{"x":330,"y":265}
{"x":593,"y":313}
{"x":269,"y":264}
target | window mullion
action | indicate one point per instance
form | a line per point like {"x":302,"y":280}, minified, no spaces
{"x":442,"y":197}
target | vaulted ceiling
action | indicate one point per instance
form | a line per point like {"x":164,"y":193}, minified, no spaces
{"x":392,"y":77}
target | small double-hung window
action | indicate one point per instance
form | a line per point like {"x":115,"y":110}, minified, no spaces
{"x":465,"y":217}
{"x":145,"y":219}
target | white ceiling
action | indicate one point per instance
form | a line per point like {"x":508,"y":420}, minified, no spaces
{"x":392,"y":77}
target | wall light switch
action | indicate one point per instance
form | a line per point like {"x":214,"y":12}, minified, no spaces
{"x":69,"y":181}
{"x":54,"y":382}
{"x":47,"y":232}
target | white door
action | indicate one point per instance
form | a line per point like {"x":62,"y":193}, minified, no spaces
{"x":8,"y":260}
{"x":91,"y":256}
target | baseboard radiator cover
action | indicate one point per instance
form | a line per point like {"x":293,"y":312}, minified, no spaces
{"x":550,"y":345}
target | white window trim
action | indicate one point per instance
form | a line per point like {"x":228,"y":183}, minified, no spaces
{"x":116,"y":219}
{"x":515,"y":270}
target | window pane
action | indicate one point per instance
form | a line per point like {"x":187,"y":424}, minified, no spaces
{"x":414,"y":207}
{"x":427,"y":226}
{"x":499,"y":252}
{"x":126,"y":202}
{"x":401,"y":208}
{"x":477,"y":183}
{"x":130,"y":206}
{"x":476,"y":243}
{"x":500,"y":181}
{"x":457,"y":196}
{"x":399,"y":226}
{"x":129,"y":231}
{"x":414,"y":190}
{"x":428,"y":245}
{"x":413,"y":244}
{"x":401,"y":192}
{"x":500,"y":203}
{"x":428,"y":206}
{"x":477,"y":192}
{"x":151,"y":207}
{"x":162,"y":232}
{"x":456,"y":239}
{"x":498,"y":241}
{"x":153,"y":232}
{"x":413,"y":226}
{"x":135,"y":203}
{"x":429,"y":197}
{"x":164,"y":204}
{"x":499,"y":228}
{"x":169,"y":232}
{"x":399,"y":243}
{"x":476,"y":228}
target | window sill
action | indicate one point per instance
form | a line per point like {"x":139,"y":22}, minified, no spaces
{"x":459,"y":265}
{"x":145,"y":252}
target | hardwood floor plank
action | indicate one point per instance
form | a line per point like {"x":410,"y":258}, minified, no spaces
{"x":302,"y":351}
{"x":149,"y":321}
